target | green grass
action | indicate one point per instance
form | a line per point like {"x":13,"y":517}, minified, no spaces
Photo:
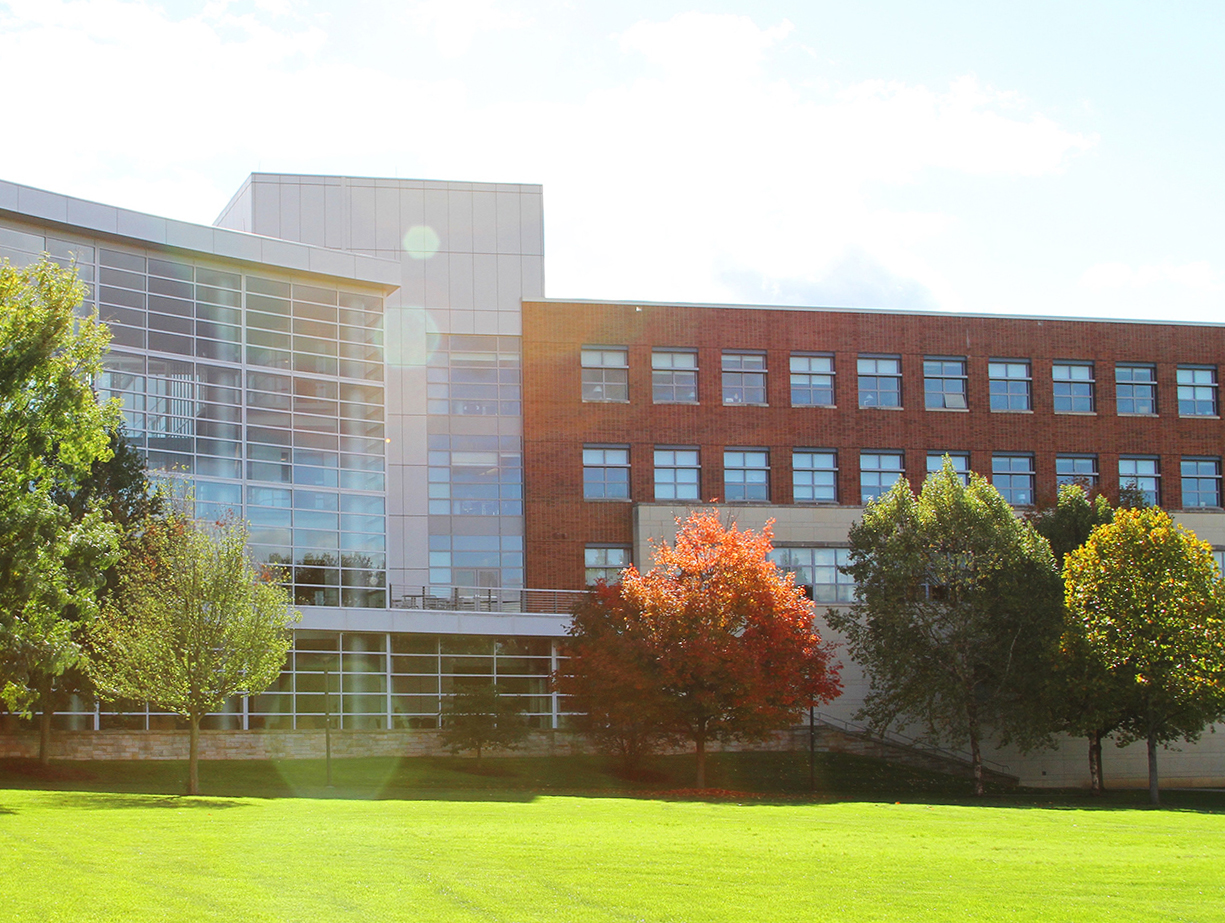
{"x":426,"y":840}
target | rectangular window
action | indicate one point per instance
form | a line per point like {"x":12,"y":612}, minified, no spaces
{"x":606,"y":472}
{"x":677,"y":474}
{"x":1201,"y":482}
{"x":960,"y":462}
{"x":878,"y":471}
{"x":746,"y":475}
{"x":605,"y":562}
{"x":814,"y":476}
{"x":1008,"y":381}
{"x":880,"y":381}
{"x":1197,"y":391}
{"x":744,"y":378}
{"x":819,"y":572}
{"x":812,"y":380}
{"x":674,"y":376}
{"x":1076,"y":469}
{"x":606,"y":374}
{"x":1141,"y":473}
{"x":944,"y":383}
{"x":1013,"y":477}
{"x":1073,"y":383}
{"x":1135,"y":388}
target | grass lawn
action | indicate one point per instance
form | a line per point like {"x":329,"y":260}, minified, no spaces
{"x":430,"y":842}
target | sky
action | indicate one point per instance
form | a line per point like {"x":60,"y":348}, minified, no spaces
{"x":1053,"y":158}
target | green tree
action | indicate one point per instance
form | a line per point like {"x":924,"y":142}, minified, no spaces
{"x":195,"y":623}
{"x":479,"y":717}
{"x":1151,"y":606}
{"x":52,"y":430}
{"x":958,"y":602}
{"x":1080,"y":695}
{"x":720,"y":642}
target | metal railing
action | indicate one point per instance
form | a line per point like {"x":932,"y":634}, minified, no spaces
{"x":911,"y":743}
{"x":507,"y":600}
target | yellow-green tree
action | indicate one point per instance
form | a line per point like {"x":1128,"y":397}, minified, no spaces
{"x":195,"y":623}
{"x":1150,"y":605}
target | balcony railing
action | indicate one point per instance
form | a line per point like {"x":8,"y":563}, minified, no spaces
{"x":507,"y":600}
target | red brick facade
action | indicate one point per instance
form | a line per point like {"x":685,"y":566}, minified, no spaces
{"x":557,"y":423}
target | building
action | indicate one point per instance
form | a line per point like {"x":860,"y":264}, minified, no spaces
{"x":368,"y":371}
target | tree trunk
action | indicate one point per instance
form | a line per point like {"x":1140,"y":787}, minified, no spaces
{"x":44,"y":723}
{"x":976,"y":760}
{"x":1096,"y":785}
{"x":193,"y":757}
{"x":1154,"y":790}
{"x":700,"y":741}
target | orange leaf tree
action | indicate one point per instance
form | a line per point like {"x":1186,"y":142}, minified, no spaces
{"x":714,"y":642}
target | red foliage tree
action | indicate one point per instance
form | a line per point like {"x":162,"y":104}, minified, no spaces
{"x":713,"y":643}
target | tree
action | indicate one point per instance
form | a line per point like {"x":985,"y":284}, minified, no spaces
{"x":958,"y":602}
{"x":52,"y":430}
{"x":479,"y":717}
{"x":195,"y":624}
{"x":1151,"y":605}
{"x":1081,"y":696}
{"x":726,"y":639}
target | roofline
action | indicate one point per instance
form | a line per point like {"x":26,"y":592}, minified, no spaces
{"x":909,"y":312}
{"x":82,"y":216}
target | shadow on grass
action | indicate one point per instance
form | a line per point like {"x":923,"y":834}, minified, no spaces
{"x":102,"y":801}
{"x":759,"y":778}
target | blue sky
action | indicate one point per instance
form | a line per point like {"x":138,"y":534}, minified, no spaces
{"x":1035,"y":158}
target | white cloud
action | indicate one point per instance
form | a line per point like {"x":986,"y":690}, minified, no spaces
{"x":455,"y":23}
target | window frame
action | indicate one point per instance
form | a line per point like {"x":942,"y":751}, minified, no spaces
{"x":1008,"y":490}
{"x":810,"y":374}
{"x":1214,"y":478}
{"x":1087,"y":387}
{"x":672,"y":372}
{"x":878,"y":377}
{"x":881,"y":488}
{"x":1134,"y":478}
{"x":962,"y":473}
{"x":606,"y":466}
{"x":744,"y":484}
{"x":588,"y":566}
{"x":843,"y":585}
{"x":1131,"y":384}
{"x":736,"y":378}
{"x":675,"y":467}
{"x":944,"y":376}
{"x":594,"y":384}
{"x":1090,"y":480}
{"x":812,"y":471}
{"x":1196,"y":387}
{"x":1009,"y":395}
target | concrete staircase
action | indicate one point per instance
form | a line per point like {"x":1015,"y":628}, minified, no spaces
{"x":835,"y":735}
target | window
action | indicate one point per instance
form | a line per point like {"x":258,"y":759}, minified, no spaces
{"x":812,"y":380}
{"x":944,"y":383}
{"x":744,"y":378}
{"x":960,"y":461}
{"x":746,"y":475}
{"x":818,"y":571}
{"x":1013,"y":477}
{"x":880,"y":381}
{"x":1073,"y":383}
{"x":676,"y":474}
{"x":606,"y":374}
{"x":1076,"y":469}
{"x":674,"y":376}
{"x":878,"y":471}
{"x":1140,"y":473}
{"x":1197,"y":390}
{"x":606,"y":472}
{"x":1135,"y":388}
{"x":814,"y":476}
{"x":1201,"y":482}
{"x":605,"y":562}
{"x":1009,"y":384}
